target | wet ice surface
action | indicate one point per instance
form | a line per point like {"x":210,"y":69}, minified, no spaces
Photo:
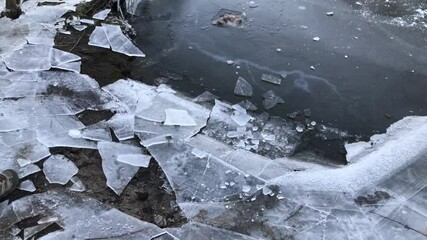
{"x":232,"y":171}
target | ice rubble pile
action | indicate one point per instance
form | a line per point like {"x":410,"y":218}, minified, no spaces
{"x":223,"y":184}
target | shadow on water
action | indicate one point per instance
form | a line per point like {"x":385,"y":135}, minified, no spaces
{"x":366,"y":74}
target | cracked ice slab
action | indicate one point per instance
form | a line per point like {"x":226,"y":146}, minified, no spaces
{"x":196,"y":179}
{"x":401,"y":145}
{"x":59,"y":169}
{"x":118,"y":174}
{"x":79,"y":217}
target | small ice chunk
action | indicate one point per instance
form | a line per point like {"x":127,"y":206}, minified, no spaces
{"x":178,"y":117}
{"x":241,"y":118}
{"x":229,"y":62}
{"x":137,"y":160}
{"x":156,"y":140}
{"x":28,"y":170}
{"x":78,"y":185}
{"x":312,"y":68}
{"x":299,"y":129}
{"x":205,"y":97}
{"x":253,"y":4}
{"x":59,"y":169}
{"x":87,"y":21}
{"x":98,"y":38}
{"x":278,"y":49}
{"x":165,"y":88}
{"x":246,"y":188}
{"x":198,"y":153}
{"x":248,"y":105}
{"x":330,"y":13}
{"x":79,"y":27}
{"x":102,"y":14}
{"x":47,"y":219}
{"x":31,"y":231}
{"x":243,"y":88}
{"x":75,"y":133}
{"x":316,"y":39}
{"x":27,"y":185}
{"x":271,"y":99}
{"x":271,"y":79}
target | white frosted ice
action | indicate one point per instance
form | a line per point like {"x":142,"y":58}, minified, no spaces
{"x":395,"y":151}
{"x":59,"y":169}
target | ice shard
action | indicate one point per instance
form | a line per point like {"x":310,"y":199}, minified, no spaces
{"x":27,"y":185}
{"x":98,"y":38}
{"x":101,"y":15}
{"x":137,"y":160}
{"x":118,"y":174}
{"x":59,"y":169}
{"x":243,"y":88}
{"x":271,"y":99}
{"x":271,"y":79}
{"x":119,"y":42}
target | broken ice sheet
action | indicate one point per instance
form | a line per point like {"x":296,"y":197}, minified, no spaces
{"x":243,"y":88}
{"x":271,"y":79}
{"x":119,"y":42}
{"x":137,"y":160}
{"x":98,"y":38}
{"x":205,"y":97}
{"x":27,"y":185}
{"x":178,"y":117}
{"x":194,"y":230}
{"x":102,"y":14}
{"x":270,"y":99}
{"x":29,"y":58}
{"x":118,"y":174}
{"x":59,"y":169}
